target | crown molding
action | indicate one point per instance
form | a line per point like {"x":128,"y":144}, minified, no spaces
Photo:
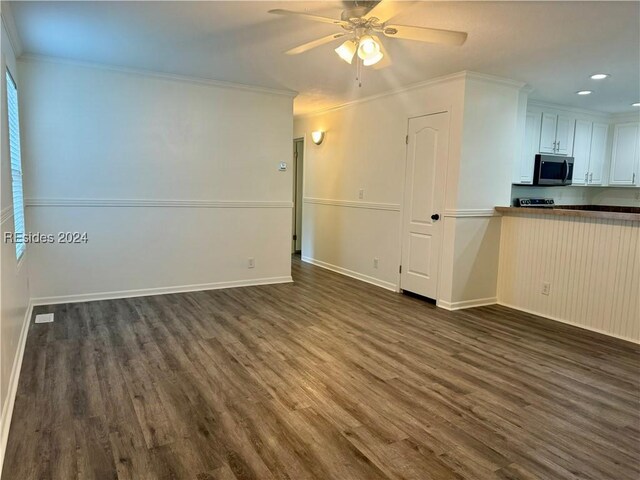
{"x":497,"y":80}
{"x":626,"y":116}
{"x":87,"y":202}
{"x":414,"y":86}
{"x":11,"y":29}
{"x":388,"y":93}
{"x":555,"y":106}
{"x":150,"y":73}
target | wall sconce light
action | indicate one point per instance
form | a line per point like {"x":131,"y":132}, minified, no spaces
{"x":317,"y":137}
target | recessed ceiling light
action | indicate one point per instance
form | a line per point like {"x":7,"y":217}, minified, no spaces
{"x":584,"y":92}
{"x":637,"y":104}
{"x":599,"y":76}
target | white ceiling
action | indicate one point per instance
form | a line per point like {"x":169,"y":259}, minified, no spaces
{"x":553,"y":46}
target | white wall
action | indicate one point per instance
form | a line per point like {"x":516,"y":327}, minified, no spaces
{"x":14,"y":291}
{"x":176,"y":182}
{"x":592,"y":265}
{"x":364,"y":148}
{"x":489,"y":147}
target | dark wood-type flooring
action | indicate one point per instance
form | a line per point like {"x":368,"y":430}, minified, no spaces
{"x":325,"y":378}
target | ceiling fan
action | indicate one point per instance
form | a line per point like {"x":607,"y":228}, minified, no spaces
{"x":360,"y":24}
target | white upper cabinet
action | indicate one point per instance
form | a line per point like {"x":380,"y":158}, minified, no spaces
{"x":530,"y":148}
{"x":581,"y":151}
{"x":589,"y":152}
{"x":598,"y":159}
{"x":564,"y":135}
{"x":556,"y":134}
{"x":548,"y":133}
{"x":598,"y":153}
{"x":624,"y":156}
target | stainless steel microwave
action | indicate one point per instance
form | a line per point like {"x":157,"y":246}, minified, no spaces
{"x":553,"y":170}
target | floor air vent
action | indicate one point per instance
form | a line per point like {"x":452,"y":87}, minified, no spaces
{"x":44,"y":318}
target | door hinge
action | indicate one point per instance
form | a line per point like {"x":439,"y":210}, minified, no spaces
{"x":406,"y":140}
{"x":295,"y":237}
{"x":295,"y":155}
{"x":400,"y":269}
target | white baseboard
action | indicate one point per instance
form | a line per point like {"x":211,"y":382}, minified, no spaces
{"x":7,"y":408}
{"x":567,"y":322}
{"x":350,"y":273}
{"x":145,"y":292}
{"x":479,"y":302}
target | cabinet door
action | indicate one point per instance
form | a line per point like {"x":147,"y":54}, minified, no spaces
{"x":548,"y":133}
{"x":581,"y":149}
{"x":530,"y":148}
{"x":564,"y":135}
{"x":598,"y":152}
{"x":624,"y":157}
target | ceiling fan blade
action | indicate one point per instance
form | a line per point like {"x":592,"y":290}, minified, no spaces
{"x":387,"y":9}
{"x":423,"y":34}
{"x":307,"y":16}
{"x":314,"y":43}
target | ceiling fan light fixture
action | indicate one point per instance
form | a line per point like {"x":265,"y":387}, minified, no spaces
{"x":368,"y":47}
{"x":347,"y":51}
{"x":373,"y":60}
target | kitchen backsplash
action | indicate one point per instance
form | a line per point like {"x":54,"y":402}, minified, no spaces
{"x":570,"y":195}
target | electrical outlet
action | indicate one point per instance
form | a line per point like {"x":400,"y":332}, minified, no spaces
{"x":546,"y":288}
{"x":361,"y":194}
{"x":375,"y":262}
{"x":251,"y":262}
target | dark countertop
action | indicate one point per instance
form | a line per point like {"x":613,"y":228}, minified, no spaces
{"x":588,"y":211}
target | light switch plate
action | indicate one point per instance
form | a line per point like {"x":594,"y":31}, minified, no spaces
{"x":44,"y":318}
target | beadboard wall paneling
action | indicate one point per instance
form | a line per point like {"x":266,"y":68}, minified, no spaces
{"x":593,"y":267}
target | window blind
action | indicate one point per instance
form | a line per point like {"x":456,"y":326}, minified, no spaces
{"x":16,"y":166}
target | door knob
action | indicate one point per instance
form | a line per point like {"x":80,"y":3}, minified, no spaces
{"x":435,"y":217}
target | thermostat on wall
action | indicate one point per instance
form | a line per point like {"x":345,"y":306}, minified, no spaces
{"x":282,"y":167}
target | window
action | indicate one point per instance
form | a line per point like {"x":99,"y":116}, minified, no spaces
{"x":16,"y":165}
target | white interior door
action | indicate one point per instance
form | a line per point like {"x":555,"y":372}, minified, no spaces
{"x":424,"y":188}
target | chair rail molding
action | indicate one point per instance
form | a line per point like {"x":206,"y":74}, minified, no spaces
{"x":470,"y":212}
{"x":395,"y":207}
{"x":88,"y":202}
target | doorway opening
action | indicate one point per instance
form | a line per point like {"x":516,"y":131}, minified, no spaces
{"x":298,"y":170}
